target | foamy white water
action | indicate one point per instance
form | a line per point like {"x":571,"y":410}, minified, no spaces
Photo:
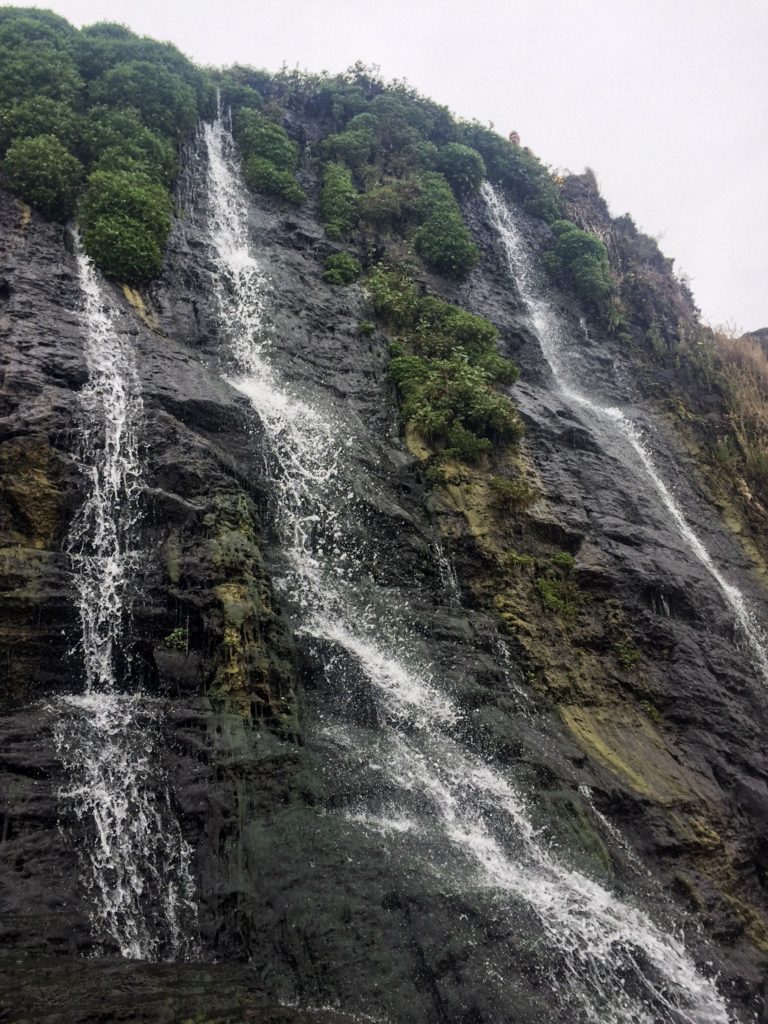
{"x":622,"y":968}
{"x":553,"y":338}
{"x":136,"y":865}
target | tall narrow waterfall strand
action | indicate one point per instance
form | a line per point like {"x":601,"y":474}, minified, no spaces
{"x":551,"y":333}
{"x":621,"y":968}
{"x":135,"y":861}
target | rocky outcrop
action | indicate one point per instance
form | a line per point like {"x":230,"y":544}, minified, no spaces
{"x":617,"y":676}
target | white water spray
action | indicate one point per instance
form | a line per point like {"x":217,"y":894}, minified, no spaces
{"x":621,"y":967}
{"x":552,"y":335}
{"x":136,"y":865}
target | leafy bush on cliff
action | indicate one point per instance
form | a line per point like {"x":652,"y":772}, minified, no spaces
{"x":104,"y":129}
{"x":395,"y":296}
{"x":342,"y":268}
{"x":118,"y":202}
{"x":262,"y":176}
{"x":453,"y":404}
{"x":36,"y":57}
{"x":444,"y":367}
{"x":234,"y":90}
{"x":45,"y":174}
{"x":580,"y":261}
{"x":380,"y":207}
{"x":100,"y":47}
{"x":463,"y":167}
{"x":258,"y":136}
{"x":434,"y":327}
{"x":164,"y":101}
{"x":443,"y":241}
{"x":102,"y":100}
{"x":356,"y":145}
{"x":338,"y":201}
{"x":124,"y":248}
{"x":516,"y":170}
{"x":270,"y":156}
{"x":120,"y":193}
{"x":39,"y":115}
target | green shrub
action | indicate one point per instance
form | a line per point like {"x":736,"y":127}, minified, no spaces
{"x":20,"y":25}
{"x":564,"y":560}
{"x":165,"y":102}
{"x":338,"y":201}
{"x":36,"y":69}
{"x":177,"y":639}
{"x":128,"y":160}
{"x":235,"y":91}
{"x":43,"y":173}
{"x":123,"y":248}
{"x":38,"y":116}
{"x":355,"y":146}
{"x":437,"y":318}
{"x":104,"y":129}
{"x":270,"y":156}
{"x":498,"y":367}
{"x":380,"y":206}
{"x":516,"y":169}
{"x":558,"y":594}
{"x":142,"y":97}
{"x":133,"y":196}
{"x":262,"y":176}
{"x":648,"y":706}
{"x":126,"y":218}
{"x":342,"y":268}
{"x":443,"y":241}
{"x":436,"y":328}
{"x":419,"y":156}
{"x":579,"y":260}
{"x":463,"y":167}
{"x":394,"y":296}
{"x":101,"y":47}
{"x":257,"y":136}
{"x":511,"y":495}
{"x":557,"y":586}
{"x":453,"y":404}
{"x":628,"y":656}
{"x":434,"y":196}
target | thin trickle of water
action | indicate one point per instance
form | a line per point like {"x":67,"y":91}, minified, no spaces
{"x":621,"y":967}
{"x":136,"y":865}
{"x":612,"y":831}
{"x":554,"y":341}
{"x":448,"y":578}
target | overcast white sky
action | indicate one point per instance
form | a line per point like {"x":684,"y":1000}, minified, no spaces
{"x":667,"y":100}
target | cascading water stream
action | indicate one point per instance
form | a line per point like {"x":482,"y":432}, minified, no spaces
{"x":553,"y":338}
{"x":136,"y":865}
{"x":616,"y":965}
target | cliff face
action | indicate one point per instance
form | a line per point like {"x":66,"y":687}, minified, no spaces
{"x":345,"y":852}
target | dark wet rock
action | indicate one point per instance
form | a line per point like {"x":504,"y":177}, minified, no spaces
{"x":309,"y":906}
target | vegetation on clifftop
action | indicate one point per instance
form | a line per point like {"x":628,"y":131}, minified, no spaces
{"x":393,"y":162}
{"x":89,"y":124}
{"x":75,"y":104}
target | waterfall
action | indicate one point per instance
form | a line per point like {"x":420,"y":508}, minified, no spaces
{"x":135,"y":862}
{"x":553,"y":338}
{"x":609,"y":962}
